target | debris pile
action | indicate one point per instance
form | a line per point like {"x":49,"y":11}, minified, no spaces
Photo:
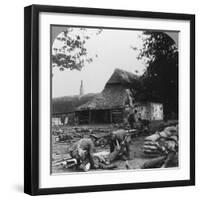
{"x":73,"y":133}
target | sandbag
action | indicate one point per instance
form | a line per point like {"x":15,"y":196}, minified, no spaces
{"x":151,"y":147}
{"x":153,"y":137}
{"x":169,"y":131}
{"x":150,"y":143}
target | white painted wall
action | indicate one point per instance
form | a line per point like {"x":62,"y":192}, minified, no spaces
{"x":150,"y":111}
{"x":11,"y":87}
{"x":56,"y":121}
{"x":156,"y":111}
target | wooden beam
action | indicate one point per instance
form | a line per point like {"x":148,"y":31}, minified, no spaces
{"x":110,"y":116}
{"x":123,"y":115}
{"x":90,"y":115}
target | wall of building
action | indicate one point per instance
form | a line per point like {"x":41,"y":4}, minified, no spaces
{"x":103,"y":116}
{"x":57,"y":121}
{"x":150,"y":111}
{"x":117,"y":115}
{"x":156,"y":111}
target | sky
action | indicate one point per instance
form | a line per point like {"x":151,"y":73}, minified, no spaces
{"x":113,"y":48}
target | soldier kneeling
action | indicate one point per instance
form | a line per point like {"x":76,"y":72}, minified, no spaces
{"x":120,"y":144}
{"x":82,"y":151}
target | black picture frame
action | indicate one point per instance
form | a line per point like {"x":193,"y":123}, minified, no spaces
{"x":31,"y":98}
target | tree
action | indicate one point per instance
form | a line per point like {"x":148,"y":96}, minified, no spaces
{"x":71,"y":52}
{"x":160,"y":79}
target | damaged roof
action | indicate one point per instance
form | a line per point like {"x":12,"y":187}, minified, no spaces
{"x":123,"y":77}
{"x":110,"y":97}
{"x":114,"y":93}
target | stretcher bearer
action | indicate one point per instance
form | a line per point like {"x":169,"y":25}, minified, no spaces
{"x":83,"y":150}
{"x":120,"y":141}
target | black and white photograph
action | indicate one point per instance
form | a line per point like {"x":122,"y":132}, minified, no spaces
{"x":114,"y":99}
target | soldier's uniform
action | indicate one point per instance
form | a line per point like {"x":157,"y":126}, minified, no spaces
{"x":120,"y":140}
{"x":82,"y":150}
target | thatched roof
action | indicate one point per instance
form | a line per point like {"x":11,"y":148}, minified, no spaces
{"x":125,"y":78}
{"x":114,"y":93}
{"x":67,"y":104}
{"x":111,"y":97}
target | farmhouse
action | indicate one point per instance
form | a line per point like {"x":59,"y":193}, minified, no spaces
{"x":112,"y":104}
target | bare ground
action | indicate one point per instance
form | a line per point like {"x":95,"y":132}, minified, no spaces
{"x":137,"y":158}
{"x":60,"y":150}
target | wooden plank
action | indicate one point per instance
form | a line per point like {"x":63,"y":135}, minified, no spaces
{"x":111,"y":116}
{"x":90,"y":115}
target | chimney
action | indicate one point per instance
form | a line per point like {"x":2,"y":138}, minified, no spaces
{"x":81,"y":88}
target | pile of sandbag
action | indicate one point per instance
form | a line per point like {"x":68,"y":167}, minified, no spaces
{"x":160,"y":142}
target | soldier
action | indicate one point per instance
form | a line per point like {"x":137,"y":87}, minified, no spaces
{"x":132,"y":119}
{"x":119,"y":141}
{"x":82,"y":151}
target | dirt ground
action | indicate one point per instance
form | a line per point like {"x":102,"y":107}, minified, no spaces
{"x":60,"y":150}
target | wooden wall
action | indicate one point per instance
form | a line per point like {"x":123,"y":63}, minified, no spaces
{"x":117,"y":115}
{"x":100,"y":116}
